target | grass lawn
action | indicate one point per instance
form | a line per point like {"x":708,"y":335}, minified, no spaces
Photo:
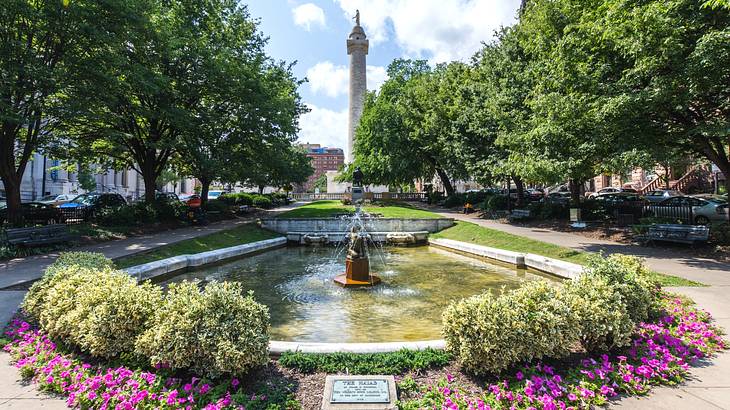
{"x":325,"y":209}
{"x":237,"y":236}
{"x":469,"y":232}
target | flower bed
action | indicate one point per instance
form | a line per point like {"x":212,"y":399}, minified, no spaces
{"x":659,"y":353}
{"x":95,"y":386}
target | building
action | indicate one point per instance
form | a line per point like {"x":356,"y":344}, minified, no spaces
{"x":55,"y":181}
{"x":323,"y":159}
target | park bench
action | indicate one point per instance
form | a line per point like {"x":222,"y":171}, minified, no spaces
{"x":42,"y":235}
{"x":689,"y":234}
{"x":518,"y":214}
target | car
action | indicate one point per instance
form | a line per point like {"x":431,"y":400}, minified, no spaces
{"x":615,"y":198}
{"x":704,"y":210}
{"x":191,"y":200}
{"x":613,"y":190}
{"x":214,"y":194}
{"x":86,"y":205}
{"x":661,"y":194}
{"x":36,"y":212}
{"x":167,"y":197}
{"x":56,"y":200}
{"x":535,"y":194}
{"x":558,"y":197}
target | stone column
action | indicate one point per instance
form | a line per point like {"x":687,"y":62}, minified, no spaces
{"x":357,"y":49}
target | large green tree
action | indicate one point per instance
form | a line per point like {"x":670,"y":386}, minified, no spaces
{"x":406,"y":127}
{"x":44,"y":46}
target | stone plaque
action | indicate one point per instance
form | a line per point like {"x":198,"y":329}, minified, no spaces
{"x":359,"y":392}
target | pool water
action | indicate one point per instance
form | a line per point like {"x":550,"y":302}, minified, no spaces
{"x":417,"y":284}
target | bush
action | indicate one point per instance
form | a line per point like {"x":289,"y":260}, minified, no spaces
{"x":102,"y":311}
{"x":261,"y":201}
{"x":373,"y":363}
{"x":141,"y":213}
{"x":490,"y":333}
{"x":603,"y":322}
{"x":548,"y":210}
{"x":215,"y":331}
{"x":35,"y":298}
{"x":496,"y":203}
{"x":216,"y":205}
{"x":456,"y":200}
{"x":632,"y":281}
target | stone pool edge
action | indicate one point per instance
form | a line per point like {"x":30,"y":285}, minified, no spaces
{"x":166,"y":266}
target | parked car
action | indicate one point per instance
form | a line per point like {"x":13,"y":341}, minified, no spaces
{"x":615,"y":198}
{"x":87,"y":205}
{"x":56,"y":200}
{"x":3,"y":202}
{"x":167,"y":197}
{"x":36,"y":212}
{"x":559,"y":197}
{"x":703,"y":210}
{"x":661,"y":194}
{"x":192,"y":200}
{"x":613,"y":190}
{"x":535,"y":194}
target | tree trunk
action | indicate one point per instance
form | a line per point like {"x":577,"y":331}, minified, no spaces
{"x":445,"y":180}
{"x":727,"y":187}
{"x":12,"y":192}
{"x":149,"y":176}
{"x":574,"y":192}
{"x":261,"y":189}
{"x":520,"y":191}
{"x":204,"y":188}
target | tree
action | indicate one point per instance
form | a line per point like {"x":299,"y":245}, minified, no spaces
{"x":246,"y":103}
{"x":405,"y":128}
{"x":321,"y":183}
{"x":281,"y":165}
{"x":43,"y":46}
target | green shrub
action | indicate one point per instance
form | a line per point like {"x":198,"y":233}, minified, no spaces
{"x":489,"y":333}
{"x":216,"y":205}
{"x":603,"y":322}
{"x":632,"y":280}
{"x":373,"y":363}
{"x":456,"y":200}
{"x":261,"y":201}
{"x":215,"y":331}
{"x":496,"y":203}
{"x":548,"y":210}
{"x":35,"y":298}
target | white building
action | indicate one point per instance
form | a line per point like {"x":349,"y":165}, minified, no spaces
{"x":128,"y":183}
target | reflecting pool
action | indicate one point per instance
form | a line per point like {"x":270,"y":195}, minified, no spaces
{"x":306,"y":305}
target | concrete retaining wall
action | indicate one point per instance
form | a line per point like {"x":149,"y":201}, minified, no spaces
{"x":335,"y":237}
{"x":312,"y":225}
{"x":180,"y":262}
{"x":555,"y":267}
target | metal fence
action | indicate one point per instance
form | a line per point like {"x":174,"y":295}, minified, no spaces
{"x":631,"y":212}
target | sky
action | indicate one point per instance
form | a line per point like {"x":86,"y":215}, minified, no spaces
{"x":313,"y":33}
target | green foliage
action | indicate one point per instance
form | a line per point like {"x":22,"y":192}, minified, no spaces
{"x":632,"y":281}
{"x":496,"y":203}
{"x":327,"y":209}
{"x":261,"y":201}
{"x":490,"y":333}
{"x":141,"y":213}
{"x":548,"y":210}
{"x":603,"y":321}
{"x":217,"y":205}
{"x":35,"y":299}
{"x":220,"y":329}
{"x":600,"y":310}
{"x":371,"y":363}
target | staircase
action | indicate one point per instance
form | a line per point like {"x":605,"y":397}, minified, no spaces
{"x":696,"y":177}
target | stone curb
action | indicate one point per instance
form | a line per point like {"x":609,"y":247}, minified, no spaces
{"x":552,"y":266}
{"x":164,"y":266}
{"x":276,"y":347}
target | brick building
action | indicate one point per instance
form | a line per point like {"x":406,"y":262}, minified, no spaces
{"x":323,"y":159}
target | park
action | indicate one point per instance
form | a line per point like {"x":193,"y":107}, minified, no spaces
{"x":533,"y":217}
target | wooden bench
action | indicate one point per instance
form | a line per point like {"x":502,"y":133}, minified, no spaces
{"x":42,"y":235}
{"x":518,"y":214}
{"x":690,"y":234}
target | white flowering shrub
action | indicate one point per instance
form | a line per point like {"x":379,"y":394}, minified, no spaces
{"x":631,"y":279}
{"x":600,"y":311}
{"x":489,"y":333}
{"x":35,"y":298}
{"x":218,"y":330}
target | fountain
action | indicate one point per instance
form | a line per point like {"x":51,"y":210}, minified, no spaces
{"x":357,"y":262}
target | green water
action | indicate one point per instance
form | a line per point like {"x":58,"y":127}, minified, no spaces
{"x":306,"y":305}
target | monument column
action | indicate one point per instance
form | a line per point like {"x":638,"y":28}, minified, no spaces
{"x":357,"y":49}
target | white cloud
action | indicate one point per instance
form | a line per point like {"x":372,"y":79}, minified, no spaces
{"x":324,"y":126}
{"x":308,"y":15}
{"x":333,"y":80}
{"x":441,"y":30}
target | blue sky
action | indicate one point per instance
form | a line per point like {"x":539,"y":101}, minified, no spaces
{"x":313,"y":32}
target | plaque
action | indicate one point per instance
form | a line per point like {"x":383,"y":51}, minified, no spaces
{"x":360,"y":391}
